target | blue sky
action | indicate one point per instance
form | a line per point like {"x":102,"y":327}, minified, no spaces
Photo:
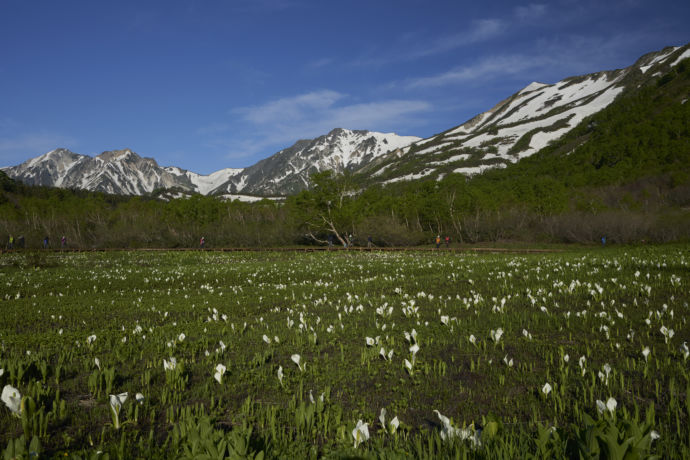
{"x":210,"y":84}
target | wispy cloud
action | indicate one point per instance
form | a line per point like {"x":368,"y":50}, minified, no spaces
{"x":480,"y":30}
{"x":490,"y":67}
{"x":530,"y":12}
{"x":265,"y":128}
{"x":413,"y":46}
{"x":319,"y":63}
{"x":292,"y":108}
{"x":542,"y":60}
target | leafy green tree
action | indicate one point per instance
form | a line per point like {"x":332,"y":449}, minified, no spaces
{"x":328,"y":208}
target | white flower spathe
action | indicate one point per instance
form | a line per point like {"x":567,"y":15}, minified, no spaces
{"x":546,"y":389}
{"x":170,"y":365}
{"x":496,"y":335}
{"x":297,"y":359}
{"x":645,"y":353}
{"x":611,"y":405}
{"x":601,"y":407}
{"x":408,"y":365}
{"x":394,"y":424}
{"x":360,"y":433}
{"x":116,"y":402}
{"x":12,"y":399}
{"x":448,"y":431}
{"x":220,"y":371}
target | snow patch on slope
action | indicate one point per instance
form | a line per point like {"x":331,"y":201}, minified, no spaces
{"x":684,"y":55}
{"x":206,"y":183}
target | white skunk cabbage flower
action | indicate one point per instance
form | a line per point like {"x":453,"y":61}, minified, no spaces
{"x":610,"y":405}
{"x":220,"y":371}
{"x":414,"y":349}
{"x":297,"y":359}
{"x":360,"y":433}
{"x":392,"y":425}
{"x":116,"y":402}
{"x":170,"y":365}
{"x":408,"y":365}
{"x":546,"y":389}
{"x":12,"y":399}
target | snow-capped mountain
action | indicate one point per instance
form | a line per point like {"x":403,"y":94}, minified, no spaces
{"x":520,"y":125}
{"x":118,"y":172}
{"x":288,"y":171}
{"x":126,"y":173}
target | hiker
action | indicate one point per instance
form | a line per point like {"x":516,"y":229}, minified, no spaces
{"x":330,"y":241}
{"x":46,"y":242}
{"x":447,"y":241}
{"x":10,"y":244}
{"x":370,"y":242}
{"x":202,"y":242}
{"x":438,"y":241}
{"x":603,"y":240}
{"x":63,"y":242}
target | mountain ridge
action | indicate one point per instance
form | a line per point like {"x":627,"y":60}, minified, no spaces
{"x":515,"y":128}
{"x":520,"y":125}
{"x":125,"y":172}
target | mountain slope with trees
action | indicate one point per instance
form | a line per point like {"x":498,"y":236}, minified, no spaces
{"x":623,"y":172}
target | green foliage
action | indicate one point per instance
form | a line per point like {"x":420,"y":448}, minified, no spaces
{"x":613,"y":439}
{"x":18,"y":449}
{"x":194,"y":437}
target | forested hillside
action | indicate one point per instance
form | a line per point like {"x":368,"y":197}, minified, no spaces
{"x":623,"y":173}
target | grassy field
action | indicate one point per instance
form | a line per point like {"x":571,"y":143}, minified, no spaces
{"x":382,"y":355}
